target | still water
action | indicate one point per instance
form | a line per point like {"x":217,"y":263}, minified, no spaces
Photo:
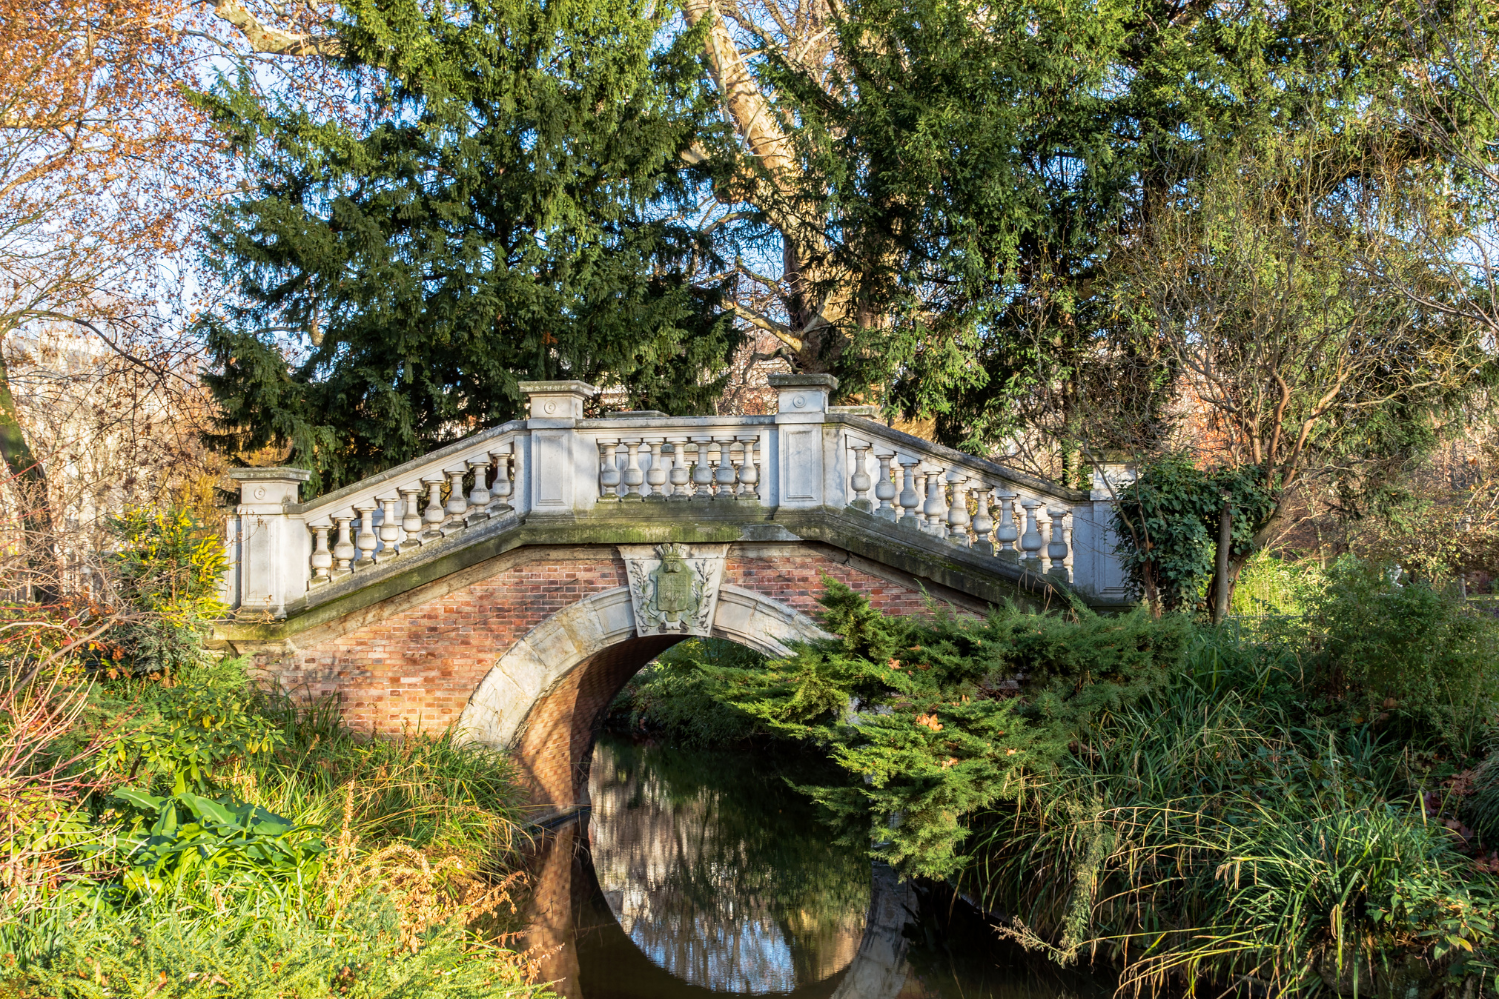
{"x":704,"y":873}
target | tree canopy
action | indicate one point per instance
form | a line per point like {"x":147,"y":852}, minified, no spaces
{"x":986,"y":214}
{"x":979,"y":169}
{"x":504,"y":201}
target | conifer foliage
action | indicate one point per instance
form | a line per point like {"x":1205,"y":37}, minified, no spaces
{"x":923,"y":713}
{"x":496,"y":202}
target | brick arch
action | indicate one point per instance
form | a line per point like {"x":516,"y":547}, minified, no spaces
{"x":546,"y":694}
{"x":424,"y":657}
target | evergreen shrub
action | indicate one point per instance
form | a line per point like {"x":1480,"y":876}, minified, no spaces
{"x":922,"y":712}
{"x":1167,"y":525}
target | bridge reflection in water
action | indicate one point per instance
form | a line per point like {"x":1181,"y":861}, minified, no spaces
{"x":705,"y":874}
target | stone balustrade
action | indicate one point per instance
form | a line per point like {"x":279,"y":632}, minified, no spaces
{"x":558,"y":466}
{"x":962,"y":500}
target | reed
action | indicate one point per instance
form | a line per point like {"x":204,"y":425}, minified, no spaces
{"x":1217,"y":832}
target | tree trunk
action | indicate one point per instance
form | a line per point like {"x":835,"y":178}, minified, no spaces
{"x":1220,"y":576}
{"x":819,"y":300}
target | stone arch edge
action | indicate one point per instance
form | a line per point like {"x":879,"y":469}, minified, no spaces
{"x":500,"y":706}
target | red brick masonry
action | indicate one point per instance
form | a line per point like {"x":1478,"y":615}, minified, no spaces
{"x":412,"y":663}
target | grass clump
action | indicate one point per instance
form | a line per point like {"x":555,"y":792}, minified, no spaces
{"x":193,"y":835}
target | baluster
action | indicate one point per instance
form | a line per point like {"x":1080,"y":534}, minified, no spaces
{"x":609,"y":477}
{"x":725,"y":476}
{"x":1006,"y":534}
{"x":433,"y":515}
{"x":702,"y":471}
{"x":936,"y":503}
{"x":1057,"y":549}
{"x":502,"y":488}
{"x":366,"y":542}
{"x":749,"y":472}
{"x":884,"y":490}
{"x":1067,"y":540}
{"x":983,"y":523}
{"x":478,"y":497}
{"x":517,"y":476}
{"x":910,"y":494}
{"x":633,"y":475}
{"x":390,"y":525}
{"x":457,"y":501}
{"x":343,"y":551}
{"x":655,"y":478}
{"x":322,"y":558}
{"x":411,"y":519}
{"x":860,"y":482}
{"x":957,"y":514}
{"x":681,"y":475}
{"x":1030,"y":541}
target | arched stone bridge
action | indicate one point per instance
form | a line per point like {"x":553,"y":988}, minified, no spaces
{"x":510,"y":583}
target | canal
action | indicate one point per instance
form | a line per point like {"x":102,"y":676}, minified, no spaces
{"x":705,"y":873}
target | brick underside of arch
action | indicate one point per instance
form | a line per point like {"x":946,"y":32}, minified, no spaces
{"x":553,"y":753}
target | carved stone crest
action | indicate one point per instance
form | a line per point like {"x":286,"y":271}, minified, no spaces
{"x":674,"y":587}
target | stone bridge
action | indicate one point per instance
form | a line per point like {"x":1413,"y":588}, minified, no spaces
{"x":509,"y":584}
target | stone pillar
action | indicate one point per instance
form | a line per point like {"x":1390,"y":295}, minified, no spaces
{"x":1096,"y":568}
{"x":275,"y":547}
{"x":804,"y":462}
{"x":563,"y":472}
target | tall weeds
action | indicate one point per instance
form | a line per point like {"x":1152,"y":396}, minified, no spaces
{"x":404,"y":848}
{"x":1215,"y":832}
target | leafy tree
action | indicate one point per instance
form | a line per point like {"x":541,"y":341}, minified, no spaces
{"x":506,"y":204}
{"x":1167,"y":522}
{"x":1298,"y":362}
{"x":951,"y":180}
{"x":927,"y":197}
{"x":100,"y":171}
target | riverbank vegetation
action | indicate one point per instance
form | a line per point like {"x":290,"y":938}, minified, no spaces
{"x":174,"y":829}
{"x":1282,"y":802}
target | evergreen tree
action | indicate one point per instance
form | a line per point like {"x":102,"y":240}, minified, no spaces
{"x":502,"y":200}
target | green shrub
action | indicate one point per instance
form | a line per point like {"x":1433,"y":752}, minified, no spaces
{"x":921,"y":712}
{"x":1406,"y":647}
{"x":169,"y":568}
{"x":1167,"y":525}
{"x":182,"y":735}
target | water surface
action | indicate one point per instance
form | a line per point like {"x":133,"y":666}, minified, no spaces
{"x":704,"y":873}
